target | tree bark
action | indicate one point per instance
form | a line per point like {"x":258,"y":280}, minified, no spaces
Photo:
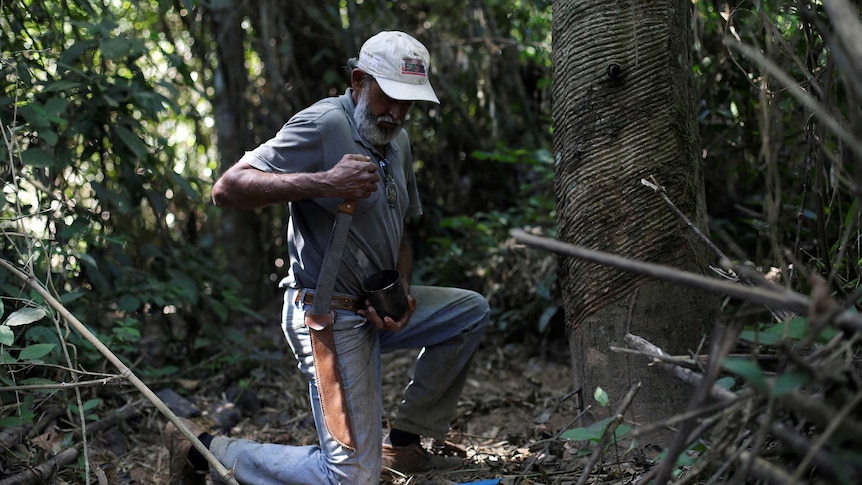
{"x":624,"y":111}
{"x":242,"y":232}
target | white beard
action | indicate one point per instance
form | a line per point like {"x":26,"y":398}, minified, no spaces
{"x":368,"y":126}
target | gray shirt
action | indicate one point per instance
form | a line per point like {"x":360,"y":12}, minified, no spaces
{"x":314,"y":140}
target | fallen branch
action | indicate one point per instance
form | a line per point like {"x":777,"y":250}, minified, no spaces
{"x":125,"y":372}
{"x":693,"y":378}
{"x":684,"y":362}
{"x":17,"y":434}
{"x":771,"y":296}
{"x":43,"y":472}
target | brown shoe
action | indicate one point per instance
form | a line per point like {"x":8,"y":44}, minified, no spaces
{"x":182,"y":472}
{"x":413,"y":459}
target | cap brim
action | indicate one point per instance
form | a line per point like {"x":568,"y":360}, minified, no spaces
{"x":407,"y":92}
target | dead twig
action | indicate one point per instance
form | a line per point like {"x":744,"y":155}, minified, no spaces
{"x":535,"y":458}
{"x":63,"y":385}
{"x":743,"y":273}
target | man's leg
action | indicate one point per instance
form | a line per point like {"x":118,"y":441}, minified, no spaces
{"x":359,"y":363}
{"x":358,"y":351}
{"x":448,"y":326}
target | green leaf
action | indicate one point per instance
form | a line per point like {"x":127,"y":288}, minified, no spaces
{"x":219,"y":308}
{"x":601,"y":396}
{"x":748,"y":370}
{"x":164,"y":371}
{"x":25,"y":316}
{"x":789,"y":381}
{"x":87,"y":405}
{"x":36,"y":157}
{"x":11,"y":422}
{"x":129,"y":303}
{"x":760,"y":337}
{"x":41,"y":381}
{"x":184,"y":285}
{"x":7,"y":337}
{"x":595,"y":431}
{"x":590,"y":433}
{"x":774,"y":334}
{"x":35,"y":114}
{"x":54,"y":107}
{"x":797,"y":328}
{"x":49,"y":136}
{"x":6,"y":358}
{"x":725,"y":382}
{"x":117,"y":47}
{"x":74,"y":51}
{"x":184,"y":184}
{"x":852,"y":213}
{"x":62,"y":85}
{"x":132,"y":141}
{"x":545,"y":319}
{"x":35,"y":351}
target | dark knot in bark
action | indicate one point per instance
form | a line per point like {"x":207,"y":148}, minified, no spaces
{"x":614,"y":71}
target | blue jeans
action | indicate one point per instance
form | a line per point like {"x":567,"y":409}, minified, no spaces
{"x":448,"y":325}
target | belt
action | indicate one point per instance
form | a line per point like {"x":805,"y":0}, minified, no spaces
{"x":349,"y":303}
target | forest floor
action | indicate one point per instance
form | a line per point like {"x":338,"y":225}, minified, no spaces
{"x":516,"y":402}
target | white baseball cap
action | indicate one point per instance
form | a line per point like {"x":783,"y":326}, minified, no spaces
{"x":400,"y":65}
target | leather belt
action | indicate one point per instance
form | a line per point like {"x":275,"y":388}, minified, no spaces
{"x":350,"y":303}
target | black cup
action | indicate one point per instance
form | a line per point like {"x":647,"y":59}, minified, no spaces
{"x":386,"y":293}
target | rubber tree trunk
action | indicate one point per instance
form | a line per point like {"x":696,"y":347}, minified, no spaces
{"x":623,"y":111}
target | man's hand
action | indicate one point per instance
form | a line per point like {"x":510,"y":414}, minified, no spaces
{"x":388,"y":323}
{"x":353,"y":177}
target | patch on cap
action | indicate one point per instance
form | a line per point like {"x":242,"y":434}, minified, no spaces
{"x":413,"y":67}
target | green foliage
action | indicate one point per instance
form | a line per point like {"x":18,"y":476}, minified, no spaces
{"x":773,"y":334}
{"x":476,"y":251}
{"x":601,"y":397}
{"x":748,"y":370}
{"x":594,"y":432}
{"x":776,"y":178}
{"x":103,"y":199}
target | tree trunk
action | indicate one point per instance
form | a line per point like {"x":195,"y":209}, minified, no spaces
{"x":242,"y":232}
{"x":623,"y":111}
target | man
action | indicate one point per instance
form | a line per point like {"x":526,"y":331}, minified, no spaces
{"x":352,"y":147}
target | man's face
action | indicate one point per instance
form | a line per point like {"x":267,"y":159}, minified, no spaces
{"x":378,"y":117}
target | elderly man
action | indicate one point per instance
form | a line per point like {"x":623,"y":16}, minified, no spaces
{"x":351,"y":148}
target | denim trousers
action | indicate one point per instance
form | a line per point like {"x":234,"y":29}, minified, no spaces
{"x":447,"y":326}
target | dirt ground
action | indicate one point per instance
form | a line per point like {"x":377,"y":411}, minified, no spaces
{"x":516,"y":402}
